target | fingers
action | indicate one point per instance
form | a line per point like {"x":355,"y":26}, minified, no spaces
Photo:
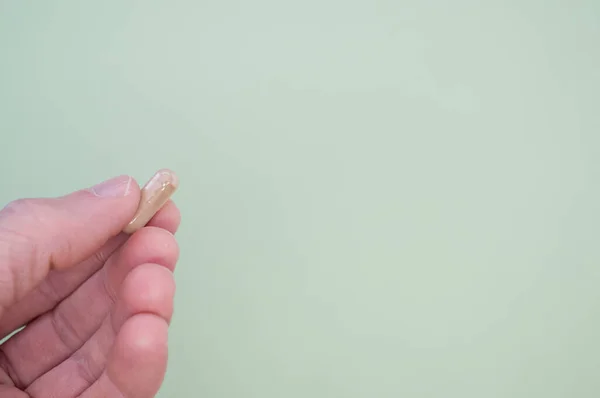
{"x":167,"y":218}
{"x":11,"y":392}
{"x":60,"y":283}
{"x":38,"y":235}
{"x":149,"y":290}
{"x":54,"y":336}
{"x":138,"y":361}
{"x":57,"y":285}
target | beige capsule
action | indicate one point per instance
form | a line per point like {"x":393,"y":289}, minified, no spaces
{"x":154,"y":195}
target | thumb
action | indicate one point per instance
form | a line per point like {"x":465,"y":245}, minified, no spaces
{"x":38,"y":235}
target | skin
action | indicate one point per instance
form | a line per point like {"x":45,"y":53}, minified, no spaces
{"x":96,"y":303}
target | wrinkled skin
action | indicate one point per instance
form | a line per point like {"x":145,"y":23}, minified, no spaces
{"x":96,"y":303}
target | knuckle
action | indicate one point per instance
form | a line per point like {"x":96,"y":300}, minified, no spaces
{"x":24,"y":218}
{"x":7,"y":370}
{"x":17,"y":251}
{"x":48,"y":290}
{"x":87,"y":366}
{"x":28,"y":222}
{"x":23,"y":208}
{"x":20,"y":248}
{"x":65,"y":330}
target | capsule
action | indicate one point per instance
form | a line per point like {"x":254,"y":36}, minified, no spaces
{"x":154,"y":195}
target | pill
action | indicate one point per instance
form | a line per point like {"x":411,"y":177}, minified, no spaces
{"x":154,"y":195}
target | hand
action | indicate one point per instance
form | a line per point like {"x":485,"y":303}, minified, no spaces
{"x":96,"y":303}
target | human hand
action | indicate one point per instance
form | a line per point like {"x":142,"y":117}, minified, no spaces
{"x":96,"y":302}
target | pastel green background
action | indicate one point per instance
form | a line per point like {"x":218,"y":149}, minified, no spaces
{"x":380,"y":198}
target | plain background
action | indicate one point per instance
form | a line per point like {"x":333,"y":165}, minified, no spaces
{"x":380,"y":198}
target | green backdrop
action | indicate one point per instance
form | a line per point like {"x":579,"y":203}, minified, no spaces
{"x":380,"y":198}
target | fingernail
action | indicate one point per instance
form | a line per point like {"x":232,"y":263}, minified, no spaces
{"x":114,"y":188}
